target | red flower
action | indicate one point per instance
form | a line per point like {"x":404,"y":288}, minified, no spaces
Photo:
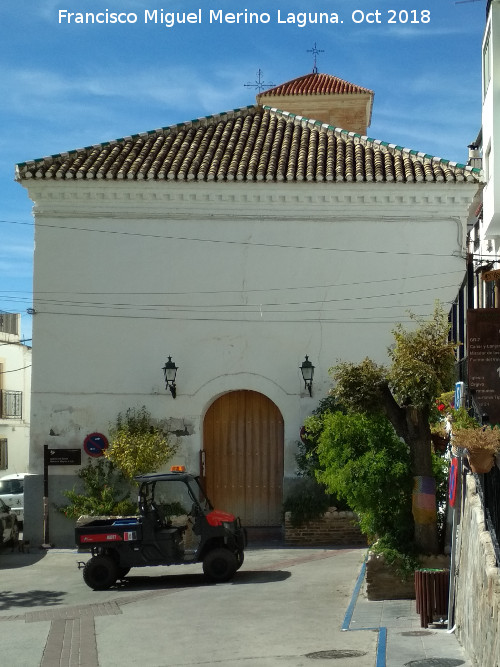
{"x":441,"y":407}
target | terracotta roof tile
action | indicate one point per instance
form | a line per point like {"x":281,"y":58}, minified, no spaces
{"x":315,"y":84}
{"x":251,"y":144}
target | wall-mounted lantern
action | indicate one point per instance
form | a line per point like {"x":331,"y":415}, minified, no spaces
{"x":170,"y":371}
{"x":307,"y":370}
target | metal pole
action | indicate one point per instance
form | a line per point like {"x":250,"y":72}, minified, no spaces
{"x":46,"y":542}
{"x":456,"y":517}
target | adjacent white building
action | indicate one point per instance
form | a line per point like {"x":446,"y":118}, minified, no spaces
{"x":237,"y":244}
{"x":15,"y":394}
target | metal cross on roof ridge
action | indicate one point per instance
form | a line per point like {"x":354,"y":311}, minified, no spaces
{"x":259,"y":84}
{"x":315,"y":52}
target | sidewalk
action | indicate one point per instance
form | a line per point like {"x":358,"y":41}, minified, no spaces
{"x":402,"y":640}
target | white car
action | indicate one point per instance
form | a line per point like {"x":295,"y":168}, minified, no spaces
{"x":12,"y":493}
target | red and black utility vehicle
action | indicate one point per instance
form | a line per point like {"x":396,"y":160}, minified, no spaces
{"x":176,"y":525}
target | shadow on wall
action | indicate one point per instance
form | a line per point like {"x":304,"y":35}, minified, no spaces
{"x":61,"y":529}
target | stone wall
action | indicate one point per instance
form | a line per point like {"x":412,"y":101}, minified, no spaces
{"x":477,"y":603}
{"x":333,"y":528}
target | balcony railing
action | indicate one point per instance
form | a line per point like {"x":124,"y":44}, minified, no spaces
{"x":11,"y":404}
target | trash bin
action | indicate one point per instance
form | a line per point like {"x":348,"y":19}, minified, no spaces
{"x":431,"y":592}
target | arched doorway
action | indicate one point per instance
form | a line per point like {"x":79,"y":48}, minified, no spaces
{"x":242,"y":457}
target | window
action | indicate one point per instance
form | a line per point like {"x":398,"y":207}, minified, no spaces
{"x":489,"y":295}
{"x":9,"y":323}
{"x":486,"y":63}
{"x":11,"y":404}
{"x":4,"y":464}
{"x":487,"y":163}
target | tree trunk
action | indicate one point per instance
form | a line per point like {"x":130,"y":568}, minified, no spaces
{"x":412,"y":425}
{"x":424,"y":507}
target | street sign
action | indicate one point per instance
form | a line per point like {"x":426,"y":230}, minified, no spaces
{"x":64,"y":457}
{"x":453,"y":482}
{"x":459,"y":395}
{"x":95,"y":444}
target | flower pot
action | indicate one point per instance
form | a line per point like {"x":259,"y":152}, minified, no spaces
{"x":440,"y":443}
{"x":481,"y":460}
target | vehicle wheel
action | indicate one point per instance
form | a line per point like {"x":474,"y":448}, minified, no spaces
{"x":122,"y":572}
{"x":100,"y":572}
{"x":220,"y":565}
{"x":240,"y":557}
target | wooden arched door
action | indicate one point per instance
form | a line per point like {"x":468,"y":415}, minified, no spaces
{"x":242,"y":459}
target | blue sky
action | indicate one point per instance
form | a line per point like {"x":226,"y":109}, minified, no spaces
{"x":64,"y":86}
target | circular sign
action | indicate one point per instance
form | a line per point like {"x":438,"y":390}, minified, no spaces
{"x":95,"y":444}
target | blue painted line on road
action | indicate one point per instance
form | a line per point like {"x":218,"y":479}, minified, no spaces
{"x":354,"y":598}
{"x":381,"y":647}
{"x":382,"y":631}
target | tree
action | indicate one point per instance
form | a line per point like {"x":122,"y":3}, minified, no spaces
{"x":422,"y":368}
{"x":137,"y":445}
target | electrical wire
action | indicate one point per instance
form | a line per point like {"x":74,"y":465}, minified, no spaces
{"x":243,"y":290}
{"x":238,"y":243}
{"x":14,"y":370}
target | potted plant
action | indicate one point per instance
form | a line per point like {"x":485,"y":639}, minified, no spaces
{"x":440,"y":436}
{"x":482,"y":444}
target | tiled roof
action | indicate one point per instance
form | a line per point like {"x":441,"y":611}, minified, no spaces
{"x":251,"y":144}
{"x":315,"y":84}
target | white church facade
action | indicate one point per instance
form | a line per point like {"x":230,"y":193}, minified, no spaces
{"x":236,"y":244}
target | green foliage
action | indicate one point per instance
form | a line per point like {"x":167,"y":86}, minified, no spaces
{"x":307,"y":457}
{"x":137,"y":445}
{"x":174,"y":508}
{"x":423,"y":360}
{"x":309,"y":502}
{"x":404,"y":562}
{"x":460,"y":418}
{"x":364,"y":462}
{"x":357,"y":385}
{"x":104,"y":493}
{"x":422,"y":368}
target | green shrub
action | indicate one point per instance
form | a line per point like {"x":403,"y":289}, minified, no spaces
{"x":362,"y":460}
{"x":308,"y":502}
{"x":104,"y":493}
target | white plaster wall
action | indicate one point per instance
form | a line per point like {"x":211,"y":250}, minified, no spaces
{"x":491,"y":128}
{"x":16,"y":360}
{"x":95,"y":358}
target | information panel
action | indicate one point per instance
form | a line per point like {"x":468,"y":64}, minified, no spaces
{"x":483,"y":345}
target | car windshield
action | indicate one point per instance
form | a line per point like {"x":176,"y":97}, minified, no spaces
{"x":11,"y":486}
{"x":175,"y":497}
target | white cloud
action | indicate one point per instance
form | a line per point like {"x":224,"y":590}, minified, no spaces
{"x":34,"y":92}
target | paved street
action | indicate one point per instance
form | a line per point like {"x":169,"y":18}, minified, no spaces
{"x":285,"y":607}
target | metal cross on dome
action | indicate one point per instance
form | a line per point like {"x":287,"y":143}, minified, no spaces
{"x":315,"y":52}
{"x":259,"y":84}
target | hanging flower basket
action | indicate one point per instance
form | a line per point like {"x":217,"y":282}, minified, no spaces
{"x":481,"y":444}
{"x":481,"y":460}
